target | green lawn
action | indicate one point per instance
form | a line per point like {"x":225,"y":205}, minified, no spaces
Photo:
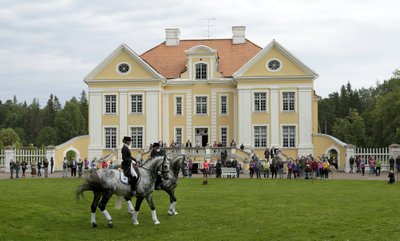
{"x":225,"y":209}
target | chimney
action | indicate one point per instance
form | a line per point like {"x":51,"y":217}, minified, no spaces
{"x":238,"y":36}
{"x":172,"y":36}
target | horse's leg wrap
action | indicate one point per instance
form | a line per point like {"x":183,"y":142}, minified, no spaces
{"x":134,"y":217}
{"x":108,"y":218}
{"x":130,"y":206}
{"x":171,"y":210}
{"x":93,"y":220}
{"x":154,"y":217}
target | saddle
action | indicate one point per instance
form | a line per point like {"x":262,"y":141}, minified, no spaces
{"x":123,"y":179}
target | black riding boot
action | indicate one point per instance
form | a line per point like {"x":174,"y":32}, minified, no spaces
{"x":133,"y":182}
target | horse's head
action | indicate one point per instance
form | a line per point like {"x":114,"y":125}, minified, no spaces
{"x":185,"y":166}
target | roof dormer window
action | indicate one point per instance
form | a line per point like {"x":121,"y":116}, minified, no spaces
{"x":201,"y":71}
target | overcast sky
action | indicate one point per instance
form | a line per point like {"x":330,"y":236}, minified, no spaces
{"x":50,"y":46}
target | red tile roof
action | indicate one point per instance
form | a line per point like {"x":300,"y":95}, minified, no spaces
{"x":170,"y":61}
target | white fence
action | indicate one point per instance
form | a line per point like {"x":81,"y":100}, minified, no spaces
{"x":381,"y":154}
{"x":21,"y":154}
{"x":30,"y":154}
{"x":2,"y":158}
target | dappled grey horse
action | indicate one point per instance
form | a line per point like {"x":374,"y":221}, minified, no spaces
{"x":169,"y":185}
{"x":105,"y":182}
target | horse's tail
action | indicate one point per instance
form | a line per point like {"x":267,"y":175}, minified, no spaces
{"x":92,"y":183}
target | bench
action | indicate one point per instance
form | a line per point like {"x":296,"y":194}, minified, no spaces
{"x":228,"y":172}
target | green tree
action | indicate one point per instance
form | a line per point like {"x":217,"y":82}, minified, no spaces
{"x":33,"y":121}
{"x":47,"y":136}
{"x":69,"y":121}
{"x":84,"y":108}
{"x":385,"y":115}
{"x":49,"y":113}
{"x":350,"y":129}
{"x":9,"y":137}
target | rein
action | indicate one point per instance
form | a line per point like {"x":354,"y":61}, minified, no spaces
{"x":154,"y":171}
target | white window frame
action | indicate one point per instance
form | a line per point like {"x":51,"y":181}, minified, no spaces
{"x":195,"y":105}
{"x":182,"y":135}
{"x":105,"y":104}
{"x":130,"y":104}
{"x":295,"y":100}
{"x":220,"y":104}
{"x":227,"y":135}
{"x":176,"y":105}
{"x":119,"y":72}
{"x":195,"y":70}
{"x":254,"y":136}
{"x":273,"y":70}
{"x":295,"y":135}
{"x":104,"y":137}
{"x":143,"y":136}
{"x":254,"y":101}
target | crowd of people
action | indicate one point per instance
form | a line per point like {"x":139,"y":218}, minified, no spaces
{"x":19,"y":168}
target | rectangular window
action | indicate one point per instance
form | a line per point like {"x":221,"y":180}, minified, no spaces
{"x":260,"y":101}
{"x":178,"y":136}
{"x":288,"y":101}
{"x":111,"y":137}
{"x":289,"y":136}
{"x":111,"y":104}
{"x":178,"y":105}
{"x":260,"y":136}
{"x":137,"y":137}
{"x":201,"y":105}
{"x":224,"y":136}
{"x":201,"y":71}
{"x":224,"y":105}
{"x":137,"y":104}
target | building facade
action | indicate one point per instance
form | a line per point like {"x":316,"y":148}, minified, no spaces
{"x":205,"y":91}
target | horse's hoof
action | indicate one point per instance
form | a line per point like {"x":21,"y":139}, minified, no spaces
{"x":94,"y":225}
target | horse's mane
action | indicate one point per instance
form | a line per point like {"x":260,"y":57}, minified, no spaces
{"x":150,"y":163}
{"x":175,"y":164}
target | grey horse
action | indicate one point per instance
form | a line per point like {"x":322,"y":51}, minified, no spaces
{"x":105,"y":182}
{"x":169,"y":185}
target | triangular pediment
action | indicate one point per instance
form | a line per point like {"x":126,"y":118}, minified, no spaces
{"x":289,"y":65}
{"x":138,"y":69}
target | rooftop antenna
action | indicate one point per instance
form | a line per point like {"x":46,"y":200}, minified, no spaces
{"x":210,"y":22}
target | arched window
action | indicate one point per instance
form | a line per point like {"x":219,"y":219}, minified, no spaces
{"x":201,"y":71}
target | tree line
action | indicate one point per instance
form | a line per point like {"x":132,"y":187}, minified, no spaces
{"x":31,"y":125}
{"x":367,"y":117}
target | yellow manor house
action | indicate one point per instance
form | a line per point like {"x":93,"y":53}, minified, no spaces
{"x":204,"y":91}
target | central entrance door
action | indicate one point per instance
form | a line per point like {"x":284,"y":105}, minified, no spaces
{"x":201,"y":137}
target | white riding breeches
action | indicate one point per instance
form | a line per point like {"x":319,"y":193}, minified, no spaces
{"x":133,"y":172}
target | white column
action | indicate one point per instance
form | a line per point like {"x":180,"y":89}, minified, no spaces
{"x":152,"y":116}
{"x":274,"y":113}
{"x":235,"y":119}
{"x":166,"y":117}
{"x":244,"y":109}
{"x":123,"y":117}
{"x":95,"y":123}
{"x":189,"y":113}
{"x":305,"y":146}
{"x":9,"y":154}
{"x":213,"y":104}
